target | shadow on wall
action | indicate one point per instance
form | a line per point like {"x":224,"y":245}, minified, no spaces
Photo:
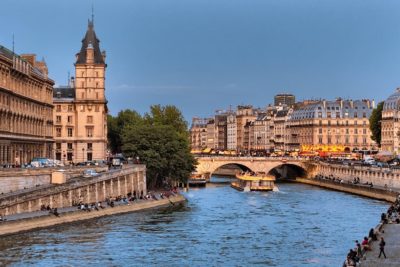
{"x":288,"y":171}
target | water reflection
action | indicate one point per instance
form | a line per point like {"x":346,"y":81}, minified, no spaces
{"x":219,"y":226}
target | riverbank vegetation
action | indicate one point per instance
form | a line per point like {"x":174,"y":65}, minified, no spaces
{"x":159,"y":139}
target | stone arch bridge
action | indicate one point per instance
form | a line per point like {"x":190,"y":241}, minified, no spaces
{"x":279,"y":167}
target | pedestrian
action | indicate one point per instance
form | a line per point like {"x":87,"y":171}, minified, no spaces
{"x":382,"y":248}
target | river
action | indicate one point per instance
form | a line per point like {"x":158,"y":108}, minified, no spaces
{"x":300,"y":225}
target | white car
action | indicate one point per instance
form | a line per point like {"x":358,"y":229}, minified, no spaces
{"x":90,"y":173}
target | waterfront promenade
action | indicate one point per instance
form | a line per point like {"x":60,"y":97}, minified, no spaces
{"x":391,"y":234}
{"x":28,"y":221}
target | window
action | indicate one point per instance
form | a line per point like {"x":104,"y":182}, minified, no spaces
{"x":82,"y":108}
{"x":89,"y":156}
{"x":69,"y":146}
{"x":89,"y":131}
{"x":58,"y":145}
{"x":58,"y":108}
{"x":89,"y":119}
{"x":355,"y":131}
{"x":355,"y":122}
{"x":364,"y":115}
{"x":347,"y":131}
{"x":69,"y":132}
{"x":355,"y":140}
{"x":320,"y":139}
{"x":69,"y":156}
{"x":97,"y":94}
{"x":58,"y":119}
{"x":69,"y":108}
{"x":320,"y":130}
{"x":337,"y":114}
{"x":329,"y":114}
{"x":58,"y":131}
{"x":355,"y":114}
{"x":364,"y":131}
{"x":69,"y":119}
{"x":89,"y":146}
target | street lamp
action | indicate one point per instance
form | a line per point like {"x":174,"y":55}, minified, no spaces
{"x":83,"y":154}
{"x":137,"y":160}
{"x":64,"y":156}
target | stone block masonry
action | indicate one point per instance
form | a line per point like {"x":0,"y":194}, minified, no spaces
{"x":87,"y":190}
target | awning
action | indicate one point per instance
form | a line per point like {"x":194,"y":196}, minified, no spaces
{"x":207,"y":150}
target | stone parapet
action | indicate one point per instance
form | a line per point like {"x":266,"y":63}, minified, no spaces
{"x":87,"y":190}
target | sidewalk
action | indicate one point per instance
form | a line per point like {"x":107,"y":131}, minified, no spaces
{"x":392,"y":249}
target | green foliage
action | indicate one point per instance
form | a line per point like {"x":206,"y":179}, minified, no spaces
{"x":116,"y":126}
{"x":375,"y":123}
{"x":160,"y":139}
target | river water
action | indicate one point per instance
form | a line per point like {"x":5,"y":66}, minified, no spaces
{"x":300,"y":225}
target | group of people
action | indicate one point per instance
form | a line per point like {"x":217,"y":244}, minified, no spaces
{"x":356,"y":180}
{"x":355,"y":255}
{"x":391,"y":216}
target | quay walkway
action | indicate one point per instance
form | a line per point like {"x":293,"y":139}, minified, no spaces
{"x":392,"y":249}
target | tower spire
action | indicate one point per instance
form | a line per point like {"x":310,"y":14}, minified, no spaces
{"x":92,"y":14}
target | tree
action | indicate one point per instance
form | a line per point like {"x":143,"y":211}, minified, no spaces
{"x":167,"y":115}
{"x":375,"y":123}
{"x":165,"y":152}
{"x":160,"y":139}
{"x":116,"y":126}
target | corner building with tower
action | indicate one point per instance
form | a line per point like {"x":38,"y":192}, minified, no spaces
{"x":80,"y":108}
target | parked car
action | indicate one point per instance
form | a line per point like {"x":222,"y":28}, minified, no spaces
{"x":90,"y":173}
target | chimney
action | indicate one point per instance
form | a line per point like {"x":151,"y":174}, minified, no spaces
{"x":31,"y":58}
{"x":373,"y":103}
{"x":324,"y":103}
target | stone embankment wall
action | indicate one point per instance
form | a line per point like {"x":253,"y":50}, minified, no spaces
{"x":378,"y":176}
{"x":375,"y":193}
{"x":13,"y":227}
{"x":18,"y":179}
{"x":75,"y":190}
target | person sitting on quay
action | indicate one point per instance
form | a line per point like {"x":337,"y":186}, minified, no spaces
{"x":359,"y":251}
{"x":365,"y":244}
{"x":349,"y":262}
{"x":353,"y":256}
{"x":384,"y":218}
{"x":372,"y":235}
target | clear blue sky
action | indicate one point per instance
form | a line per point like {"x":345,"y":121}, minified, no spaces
{"x":209,"y":54}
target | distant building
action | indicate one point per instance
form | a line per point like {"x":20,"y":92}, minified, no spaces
{"x":231,"y":131}
{"x":198,"y":134}
{"x":390,"y":123}
{"x":26,"y":108}
{"x":81,"y":107}
{"x":331,"y":126}
{"x":284,"y":99}
{"x":244,"y":115}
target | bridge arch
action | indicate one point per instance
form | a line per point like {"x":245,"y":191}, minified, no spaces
{"x":242,"y":166}
{"x":288,"y":171}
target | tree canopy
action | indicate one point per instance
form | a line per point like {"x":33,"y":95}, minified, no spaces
{"x":160,"y":140}
{"x":375,"y":123}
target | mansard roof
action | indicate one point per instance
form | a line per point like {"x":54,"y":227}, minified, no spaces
{"x":90,"y":40}
{"x":340,"y":108}
{"x":64,"y":92}
{"x":393,"y":101}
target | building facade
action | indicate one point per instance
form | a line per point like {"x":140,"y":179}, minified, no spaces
{"x":390,"y":126}
{"x":81,"y":107}
{"x":284,"y":99}
{"x":26,"y":109}
{"x":198,"y":134}
{"x":331,"y":126}
{"x":231,"y":126}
